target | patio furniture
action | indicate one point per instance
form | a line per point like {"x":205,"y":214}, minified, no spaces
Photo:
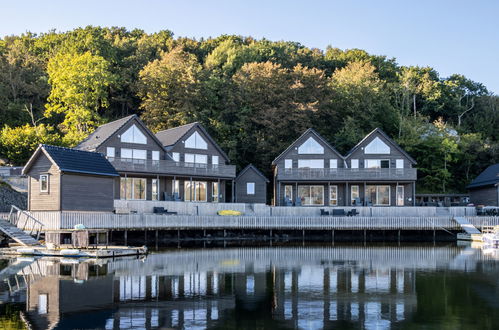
{"x":298,"y":202}
{"x":287,"y":201}
{"x":324,"y":212}
{"x":162,"y":210}
{"x":339,"y":212}
{"x":352,"y":213}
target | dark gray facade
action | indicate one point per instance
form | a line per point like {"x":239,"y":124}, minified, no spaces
{"x":484,"y":189}
{"x":375,"y":172}
{"x":251,"y":186}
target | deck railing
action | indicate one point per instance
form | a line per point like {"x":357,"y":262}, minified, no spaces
{"x":172,"y":167}
{"x":350,"y":174}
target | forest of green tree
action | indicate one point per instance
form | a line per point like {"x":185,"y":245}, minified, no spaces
{"x":254,"y":96}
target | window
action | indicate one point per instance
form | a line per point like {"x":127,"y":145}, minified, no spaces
{"x":133,"y":153}
{"x":176,"y":156}
{"x":214,"y":161}
{"x":288,"y":163}
{"x":44,"y":183}
{"x":42,"y":304}
{"x":196,"y":159}
{"x":288,"y":193}
{"x":195,"y":191}
{"x":155,"y":189}
{"x":310,"y":163}
{"x":378,"y":195}
{"x":400,"y":195}
{"x":195,"y":141}
{"x":311,"y":195}
{"x":310,"y":147}
{"x":133,"y":135}
{"x":110,"y":152}
{"x":250,"y":188}
{"x":354,"y":194}
{"x":333,"y":163}
{"x":333,"y":195}
{"x":377,"y":146}
{"x":399,"y":163}
{"x":155,"y":155}
{"x":377,"y":163}
{"x":175,"y":188}
{"x":133,"y":188}
{"x":215,"y":192}
{"x":354,"y":163}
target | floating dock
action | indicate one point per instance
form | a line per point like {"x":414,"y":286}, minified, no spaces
{"x":42,"y":251}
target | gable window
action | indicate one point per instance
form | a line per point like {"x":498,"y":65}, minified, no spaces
{"x":333,"y":163}
{"x":288,"y":163}
{"x":354,"y":163}
{"x":377,"y":163}
{"x":195,"y":141}
{"x":133,"y":135}
{"x":310,"y":163}
{"x":310,"y":147}
{"x":176,"y":156}
{"x":399,"y":163}
{"x":377,"y":146}
{"x":110,"y":152}
{"x":44,"y":183}
{"x":250,"y":188}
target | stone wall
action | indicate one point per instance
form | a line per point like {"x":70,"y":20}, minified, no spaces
{"x":9,"y":196}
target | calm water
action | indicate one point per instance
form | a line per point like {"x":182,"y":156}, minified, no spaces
{"x":341,"y":287}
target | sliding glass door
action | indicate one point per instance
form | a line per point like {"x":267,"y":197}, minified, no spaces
{"x":311,"y":195}
{"x":195,"y":191}
{"x":378,"y":195}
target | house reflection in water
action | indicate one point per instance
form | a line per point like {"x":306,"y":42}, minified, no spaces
{"x":231,"y":288}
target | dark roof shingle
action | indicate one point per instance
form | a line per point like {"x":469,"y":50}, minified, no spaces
{"x":171,"y":136}
{"x":102,"y":133}
{"x":489,"y":176}
{"x":79,"y":161}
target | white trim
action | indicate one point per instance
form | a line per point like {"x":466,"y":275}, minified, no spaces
{"x":330,"y":199}
{"x":46,"y":176}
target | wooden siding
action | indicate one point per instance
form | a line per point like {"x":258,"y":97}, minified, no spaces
{"x":114,"y":141}
{"x":487,"y":195}
{"x":260,"y":195}
{"x":392,"y":157}
{"x":44,"y":201}
{"x":211,"y":151}
{"x":87,"y":193}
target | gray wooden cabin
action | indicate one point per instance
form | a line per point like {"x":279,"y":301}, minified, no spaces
{"x":179,"y":164}
{"x":376,"y":172}
{"x":484,"y":190}
{"x":63,"y":179}
{"x":251,"y":186}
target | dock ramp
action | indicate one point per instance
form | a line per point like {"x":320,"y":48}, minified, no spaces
{"x":467,"y":226}
{"x":15,"y":224}
{"x":17,"y":234}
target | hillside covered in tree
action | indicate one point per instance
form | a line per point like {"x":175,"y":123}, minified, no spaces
{"x":254,"y":96}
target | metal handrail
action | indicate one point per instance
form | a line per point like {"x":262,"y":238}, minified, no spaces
{"x":15,"y":216}
{"x":348,"y":173}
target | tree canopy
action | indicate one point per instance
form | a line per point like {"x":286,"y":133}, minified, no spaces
{"x":254,"y":96}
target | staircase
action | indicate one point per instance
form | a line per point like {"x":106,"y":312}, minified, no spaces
{"x":16,"y":223}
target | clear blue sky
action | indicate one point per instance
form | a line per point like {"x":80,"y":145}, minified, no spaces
{"x":451,"y":36}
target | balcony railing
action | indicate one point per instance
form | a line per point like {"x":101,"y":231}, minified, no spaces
{"x":347,"y":174}
{"x":172,"y":167}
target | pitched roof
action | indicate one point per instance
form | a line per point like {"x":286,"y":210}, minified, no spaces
{"x":490,"y":176}
{"x":74,"y":161}
{"x":310,"y":130}
{"x":252,"y":167}
{"x":171,"y":136}
{"x":102,"y":133}
{"x":380,"y":131}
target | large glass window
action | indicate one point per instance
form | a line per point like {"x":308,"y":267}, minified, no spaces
{"x":354,"y":194}
{"x":196,"y":159}
{"x":133,"y":188}
{"x":333,"y":195}
{"x":377,"y":163}
{"x":377,"y":146}
{"x":195,"y":191}
{"x":311,"y":147}
{"x":133,"y":135}
{"x":133,"y":153}
{"x":215,"y":191}
{"x":311,"y":195}
{"x":400,"y":195}
{"x":195,"y":141}
{"x":378,"y":195}
{"x":310,"y":163}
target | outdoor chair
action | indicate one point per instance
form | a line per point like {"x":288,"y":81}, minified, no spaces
{"x":339,"y":212}
{"x":357,"y":202}
{"x":287,"y":201}
{"x":298,"y":202}
{"x":353,"y":212}
{"x":324,"y":212}
{"x":176,"y":197}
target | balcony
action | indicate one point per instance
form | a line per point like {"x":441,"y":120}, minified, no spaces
{"x":170,"y":167}
{"x":347,"y":174}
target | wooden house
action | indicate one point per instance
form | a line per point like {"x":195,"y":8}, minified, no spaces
{"x":376,"y":172}
{"x":251,"y":186}
{"x":484,"y":190}
{"x":63,"y":179}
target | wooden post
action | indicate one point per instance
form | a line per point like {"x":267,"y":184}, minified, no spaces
{"x":126,"y":238}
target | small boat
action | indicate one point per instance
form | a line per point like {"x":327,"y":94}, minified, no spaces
{"x":490,"y":237}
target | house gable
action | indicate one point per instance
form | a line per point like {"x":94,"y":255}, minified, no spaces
{"x":310,"y":145}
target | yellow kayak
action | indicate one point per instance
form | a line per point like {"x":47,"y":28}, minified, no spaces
{"x":229,"y":212}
